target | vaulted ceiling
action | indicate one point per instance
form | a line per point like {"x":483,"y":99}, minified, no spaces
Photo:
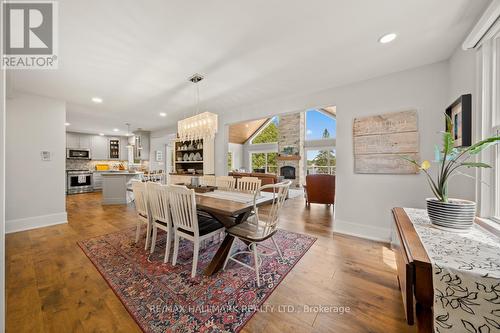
{"x":137,"y":55}
{"x":241,"y":132}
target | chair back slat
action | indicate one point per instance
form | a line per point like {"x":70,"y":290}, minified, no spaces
{"x":139,"y":190}
{"x":270,"y":217}
{"x":183,"y":207}
{"x":225,"y":183}
{"x":248,"y":184}
{"x":207,"y":181}
{"x":157,"y":195}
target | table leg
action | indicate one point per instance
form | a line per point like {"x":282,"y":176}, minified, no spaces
{"x":220,"y":256}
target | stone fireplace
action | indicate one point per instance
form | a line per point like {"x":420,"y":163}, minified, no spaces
{"x":291,"y":134}
{"x":288,"y":172}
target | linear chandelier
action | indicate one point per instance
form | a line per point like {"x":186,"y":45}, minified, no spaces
{"x":202,"y":125}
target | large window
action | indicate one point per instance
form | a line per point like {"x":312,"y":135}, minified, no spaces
{"x":320,"y":161}
{"x":321,"y":132}
{"x":268,"y":134}
{"x":319,"y":125}
{"x":229,"y":161}
{"x":264,"y":162}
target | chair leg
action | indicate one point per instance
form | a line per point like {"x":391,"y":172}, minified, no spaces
{"x":148,"y":235}
{"x":167,"y":246}
{"x":195,"y":257}
{"x":229,"y":254}
{"x":256,"y":259}
{"x":277,"y":247}
{"x":176,"y":249}
{"x":153,"y":240}
{"x":138,"y":231}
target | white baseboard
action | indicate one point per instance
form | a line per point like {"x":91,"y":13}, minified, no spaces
{"x":35,"y":222}
{"x":362,"y":231}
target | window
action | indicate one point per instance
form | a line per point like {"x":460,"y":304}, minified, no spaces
{"x":229,"y":161}
{"x":320,"y":161}
{"x":320,"y":126}
{"x":265,"y":162}
{"x":268,"y":134}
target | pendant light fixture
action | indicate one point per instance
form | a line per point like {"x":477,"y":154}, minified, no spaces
{"x":201,"y":125}
{"x":128,"y":136}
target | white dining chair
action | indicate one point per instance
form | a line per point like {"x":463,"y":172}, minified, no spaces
{"x":225,"y":183}
{"x":259,"y":227}
{"x":248,"y":184}
{"x":160,"y":215}
{"x":187,"y":224}
{"x":207,"y":181}
{"x":142,"y":209}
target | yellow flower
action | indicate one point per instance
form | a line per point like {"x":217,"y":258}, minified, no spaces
{"x":425,"y":165}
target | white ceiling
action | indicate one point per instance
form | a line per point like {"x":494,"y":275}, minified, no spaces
{"x":137,"y":55}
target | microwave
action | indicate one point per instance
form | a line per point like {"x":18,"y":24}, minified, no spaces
{"x":78,"y":154}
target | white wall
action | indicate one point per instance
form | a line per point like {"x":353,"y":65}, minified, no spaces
{"x":35,"y":188}
{"x":425,"y":89}
{"x":462,"y":78}
{"x":158,"y":140}
{"x":237,"y":150}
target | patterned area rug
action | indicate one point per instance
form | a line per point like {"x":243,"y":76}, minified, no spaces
{"x":164,"y":298}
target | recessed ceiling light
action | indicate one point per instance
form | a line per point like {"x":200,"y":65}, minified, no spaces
{"x":387,"y":38}
{"x":101,"y":134}
{"x":97,"y":100}
{"x":163,"y":114}
{"x":67,"y":124}
{"x":115,"y":129}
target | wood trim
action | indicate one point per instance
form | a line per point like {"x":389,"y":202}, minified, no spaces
{"x":487,"y":20}
{"x":416,"y":252}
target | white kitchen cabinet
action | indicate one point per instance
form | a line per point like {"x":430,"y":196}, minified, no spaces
{"x":72,"y":140}
{"x":85,"y":141}
{"x":99,"y":147}
{"x":124,"y":148}
{"x":97,"y":180}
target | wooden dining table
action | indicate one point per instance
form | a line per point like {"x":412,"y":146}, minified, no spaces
{"x":229,"y":213}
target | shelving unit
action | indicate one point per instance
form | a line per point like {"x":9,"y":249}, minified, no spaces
{"x":181,"y":167}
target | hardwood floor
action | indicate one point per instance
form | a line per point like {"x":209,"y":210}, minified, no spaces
{"x":52,"y":286}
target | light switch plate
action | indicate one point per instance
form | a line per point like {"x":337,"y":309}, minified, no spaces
{"x":45,"y":155}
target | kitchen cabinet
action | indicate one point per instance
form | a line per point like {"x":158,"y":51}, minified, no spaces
{"x":123,"y":148}
{"x":141,"y":146}
{"x":99,"y":147}
{"x":72,"y":140}
{"x":78,"y":140}
{"x":85,"y":141}
{"x":114,"y":148}
{"x":97,"y":179}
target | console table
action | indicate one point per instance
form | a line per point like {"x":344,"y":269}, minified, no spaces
{"x":415,"y":269}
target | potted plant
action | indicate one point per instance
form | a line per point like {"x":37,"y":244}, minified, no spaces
{"x":445,"y":212}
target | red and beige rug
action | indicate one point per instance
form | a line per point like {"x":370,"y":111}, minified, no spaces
{"x":164,"y":298}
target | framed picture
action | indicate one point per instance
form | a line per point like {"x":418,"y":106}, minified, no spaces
{"x":460,"y":113}
{"x":159,"y":155}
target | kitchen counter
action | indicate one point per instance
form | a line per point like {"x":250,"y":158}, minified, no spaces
{"x":115,"y":185}
{"x":120,"y":173}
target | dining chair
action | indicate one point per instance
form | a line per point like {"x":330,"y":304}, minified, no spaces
{"x":188,"y":224}
{"x":248,"y":184}
{"x":160,"y":214}
{"x":207,"y":181}
{"x":225,"y":183}
{"x":142,"y":209}
{"x":259,"y":227}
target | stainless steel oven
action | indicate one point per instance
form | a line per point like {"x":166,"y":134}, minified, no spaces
{"x":79,"y":181}
{"x":78,"y":154}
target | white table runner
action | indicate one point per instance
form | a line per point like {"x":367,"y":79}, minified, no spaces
{"x":466,"y":276}
{"x":235,"y":196}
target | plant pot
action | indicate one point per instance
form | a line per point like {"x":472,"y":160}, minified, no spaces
{"x":456,"y":214}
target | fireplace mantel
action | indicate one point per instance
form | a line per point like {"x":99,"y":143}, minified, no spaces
{"x":288,"y":158}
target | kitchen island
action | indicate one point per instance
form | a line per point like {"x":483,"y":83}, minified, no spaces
{"x":114,"y":186}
